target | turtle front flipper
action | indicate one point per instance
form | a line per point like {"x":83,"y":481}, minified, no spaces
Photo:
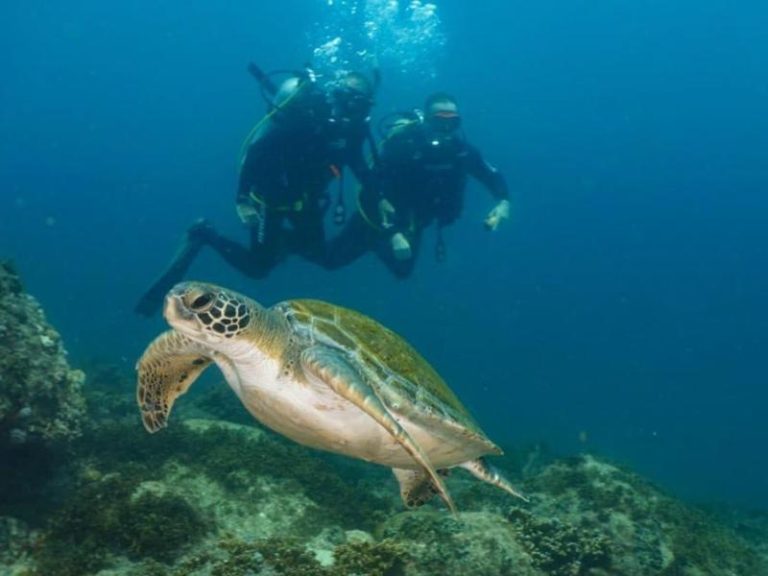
{"x":332,"y":368}
{"x":168,"y":367}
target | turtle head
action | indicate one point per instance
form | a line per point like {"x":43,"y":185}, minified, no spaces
{"x":207,"y":313}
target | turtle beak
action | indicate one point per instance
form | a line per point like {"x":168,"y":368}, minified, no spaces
{"x":174,"y":309}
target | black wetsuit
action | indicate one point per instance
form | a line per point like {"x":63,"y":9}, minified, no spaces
{"x":291,"y":160}
{"x":423,"y":176}
{"x":286,"y":171}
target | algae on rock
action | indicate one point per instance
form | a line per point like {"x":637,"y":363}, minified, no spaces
{"x":40,"y":395}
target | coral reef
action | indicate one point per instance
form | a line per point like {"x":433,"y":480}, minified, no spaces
{"x":40,"y":396}
{"x":41,"y":407}
{"x":278,"y":556}
{"x":384,"y":558}
{"x":210,"y":497}
{"x":474,"y":544}
{"x":242,"y":461}
{"x":145,"y":498}
{"x":116,"y":514}
{"x":222,"y":499}
{"x":624,"y":522}
{"x":559,"y":548}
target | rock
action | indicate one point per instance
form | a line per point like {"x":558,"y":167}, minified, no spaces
{"x":41,"y":397}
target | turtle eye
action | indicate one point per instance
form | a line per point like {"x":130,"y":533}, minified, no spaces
{"x":202,"y":302}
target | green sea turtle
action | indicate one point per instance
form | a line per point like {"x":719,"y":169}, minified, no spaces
{"x":324,"y":376}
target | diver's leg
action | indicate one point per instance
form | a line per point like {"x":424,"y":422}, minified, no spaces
{"x":152,"y":300}
{"x":351,"y":243}
{"x":260,"y":257}
{"x":307,"y":239}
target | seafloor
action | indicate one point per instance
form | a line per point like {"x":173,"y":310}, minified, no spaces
{"x":84,"y":490}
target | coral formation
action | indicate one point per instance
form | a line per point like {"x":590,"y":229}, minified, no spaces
{"x":241,"y":460}
{"x":40,"y":395}
{"x":216,"y":498}
{"x":225,"y":499}
{"x":116,"y":514}
{"x":41,"y":405}
{"x":384,"y":558}
{"x":474,"y":544}
{"x":280,"y":556}
{"x":626,"y":523}
{"x":559,"y":548}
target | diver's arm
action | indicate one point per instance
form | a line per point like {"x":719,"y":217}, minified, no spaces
{"x":487,"y":174}
{"x":494,"y":181}
{"x":248,"y":170}
{"x":259,"y":157}
{"x":264,"y":147}
{"x":245,"y":205}
{"x":391,"y":224}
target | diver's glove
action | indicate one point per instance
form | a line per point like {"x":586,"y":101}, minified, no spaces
{"x":386,"y":214}
{"x":400,"y":246}
{"x":248,"y":212}
{"x":500,"y":212}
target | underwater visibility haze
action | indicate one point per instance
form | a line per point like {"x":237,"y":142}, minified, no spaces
{"x":621,"y":310}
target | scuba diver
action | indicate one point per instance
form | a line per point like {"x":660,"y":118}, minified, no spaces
{"x":421,"y":175}
{"x":307,"y":138}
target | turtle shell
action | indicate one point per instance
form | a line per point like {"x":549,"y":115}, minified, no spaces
{"x":402,"y":378}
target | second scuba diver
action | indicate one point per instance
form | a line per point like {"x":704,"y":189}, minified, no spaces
{"x":421,"y":175}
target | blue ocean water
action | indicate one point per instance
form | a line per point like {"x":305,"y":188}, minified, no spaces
{"x":622,"y":310}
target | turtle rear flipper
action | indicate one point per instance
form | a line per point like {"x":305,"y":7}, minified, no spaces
{"x":333,"y":369}
{"x":416,"y":487}
{"x":481,"y":470}
{"x":168,"y":367}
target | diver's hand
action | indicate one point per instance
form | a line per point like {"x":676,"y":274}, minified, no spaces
{"x":500,"y":212}
{"x":386,"y":213}
{"x":400,"y":246}
{"x":248,"y":213}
